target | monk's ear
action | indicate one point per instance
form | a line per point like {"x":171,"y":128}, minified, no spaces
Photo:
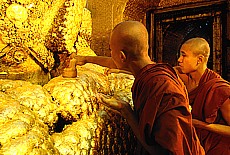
{"x":123,"y":56}
{"x":200,"y":59}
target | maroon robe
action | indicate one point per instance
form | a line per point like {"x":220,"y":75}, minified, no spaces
{"x":161,"y":104}
{"x":206,"y":101}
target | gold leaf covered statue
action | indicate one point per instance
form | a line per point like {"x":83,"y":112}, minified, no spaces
{"x":33,"y":33}
{"x":36,"y":38}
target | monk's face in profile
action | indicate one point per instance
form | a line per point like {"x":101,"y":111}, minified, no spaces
{"x":188,"y":61}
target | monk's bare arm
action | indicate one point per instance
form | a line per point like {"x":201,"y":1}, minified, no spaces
{"x":217,"y":128}
{"x":102,"y":61}
{"x":99,"y":60}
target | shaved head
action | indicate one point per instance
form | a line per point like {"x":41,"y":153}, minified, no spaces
{"x":199,"y":46}
{"x":132,"y":37}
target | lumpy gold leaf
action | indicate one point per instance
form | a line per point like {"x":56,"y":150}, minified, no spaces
{"x":16,"y":13}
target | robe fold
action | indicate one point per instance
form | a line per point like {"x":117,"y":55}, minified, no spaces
{"x":161,"y":104}
{"x":206,"y":101}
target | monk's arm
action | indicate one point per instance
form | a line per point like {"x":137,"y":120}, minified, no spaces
{"x":99,"y":60}
{"x":127,"y":112}
{"x":105,"y":62}
{"x":217,"y":128}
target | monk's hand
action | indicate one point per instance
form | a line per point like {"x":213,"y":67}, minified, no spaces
{"x":112,"y":102}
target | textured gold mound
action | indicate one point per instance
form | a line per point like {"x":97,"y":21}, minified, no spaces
{"x":21,"y":131}
{"x":30,"y":114}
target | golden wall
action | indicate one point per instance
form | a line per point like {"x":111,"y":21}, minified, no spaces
{"x":105,"y":15}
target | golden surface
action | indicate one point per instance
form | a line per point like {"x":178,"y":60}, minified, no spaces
{"x":29,"y":115}
{"x":33,"y":30}
{"x":21,"y":131}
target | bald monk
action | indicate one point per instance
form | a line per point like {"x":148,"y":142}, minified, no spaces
{"x":161,"y":119}
{"x":209,"y":96}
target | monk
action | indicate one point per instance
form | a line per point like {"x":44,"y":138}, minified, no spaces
{"x":209,"y":96}
{"x":161,"y":120}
